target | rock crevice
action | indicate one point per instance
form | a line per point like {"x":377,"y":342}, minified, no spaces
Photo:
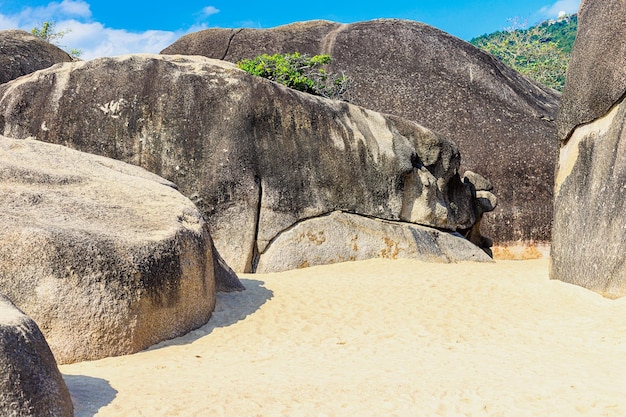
{"x":230,"y":41}
{"x":502,"y":122}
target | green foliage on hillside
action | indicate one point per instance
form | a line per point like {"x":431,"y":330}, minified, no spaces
{"x":300,"y":72}
{"x":539,"y":52}
{"x":563,"y":32}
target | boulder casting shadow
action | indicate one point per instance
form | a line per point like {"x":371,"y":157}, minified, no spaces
{"x":106,"y":257}
{"x":89,"y":394}
{"x":229,"y":309}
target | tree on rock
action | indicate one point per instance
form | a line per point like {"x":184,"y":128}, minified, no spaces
{"x":47,"y":33}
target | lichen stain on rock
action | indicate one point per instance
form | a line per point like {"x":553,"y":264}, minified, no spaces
{"x":517,"y":253}
{"x":317,"y":238}
{"x":355,"y":247}
{"x":391,"y":251}
{"x":161,"y":278}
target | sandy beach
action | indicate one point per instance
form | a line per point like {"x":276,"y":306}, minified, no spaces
{"x":380,"y":338}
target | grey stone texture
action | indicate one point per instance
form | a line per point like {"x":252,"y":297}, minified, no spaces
{"x":106,"y":257}
{"x":589,"y":236}
{"x":22,"y":53}
{"x":341,"y":237}
{"x":30,"y":382}
{"x":255,"y":156}
{"x":502,"y":122}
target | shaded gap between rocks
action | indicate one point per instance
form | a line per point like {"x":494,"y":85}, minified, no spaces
{"x":256,"y":255}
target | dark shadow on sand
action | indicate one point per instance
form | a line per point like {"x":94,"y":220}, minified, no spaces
{"x":89,"y":394}
{"x":229,"y":309}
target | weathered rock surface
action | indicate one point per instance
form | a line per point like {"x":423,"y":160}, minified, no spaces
{"x":22,"y":53}
{"x":589,"y":236}
{"x":106,"y":257}
{"x":340,"y":237}
{"x":255,"y":156}
{"x":502,"y":122}
{"x":596,"y":76}
{"x":30,"y":382}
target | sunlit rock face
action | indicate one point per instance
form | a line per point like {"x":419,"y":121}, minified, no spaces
{"x":107,"y":258}
{"x":589,"y":236}
{"x":503,"y":123}
{"x":254,"y":156}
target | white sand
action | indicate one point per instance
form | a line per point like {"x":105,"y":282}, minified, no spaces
{"x":380,"y":338}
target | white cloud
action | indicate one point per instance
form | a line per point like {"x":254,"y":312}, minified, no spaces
{"x":94,"y":39}
{"x":74,"y":8}
{"x":567,"y":6}
{"x":29,"y":17}
{"x":8,"y":22}
{"x":210,"y":10}
{"x":67,"y":9}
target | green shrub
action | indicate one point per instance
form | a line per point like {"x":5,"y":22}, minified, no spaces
{"x":300,"y":72}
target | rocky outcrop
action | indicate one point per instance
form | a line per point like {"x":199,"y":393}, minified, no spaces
{"x":502,"y":122}
{"x":22,"y":53}
{"x":340,"y":237}
{"x":255,"y":156}
{"x":589,"y":236}
{"x":106,"y":257}
{"x":30,"y":382}
{"x":596,"y":76}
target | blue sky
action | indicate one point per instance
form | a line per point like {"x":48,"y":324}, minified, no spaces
{"x":115,"y":27}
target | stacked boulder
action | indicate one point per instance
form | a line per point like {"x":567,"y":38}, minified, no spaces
{"x":502,"y":122}
{"x":256,"y":157}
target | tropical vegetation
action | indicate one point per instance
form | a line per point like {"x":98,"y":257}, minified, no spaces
{"x":300,"y":72}
{"x":540,"y":52}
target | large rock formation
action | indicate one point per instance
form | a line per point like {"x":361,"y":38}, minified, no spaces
{"x":255,"y":156}
{"x":30,"y":382}
{"x":22,"y":53}
{"x":501,"y":121}
{"x":589,"y":233}
{"x":106,"y":257}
